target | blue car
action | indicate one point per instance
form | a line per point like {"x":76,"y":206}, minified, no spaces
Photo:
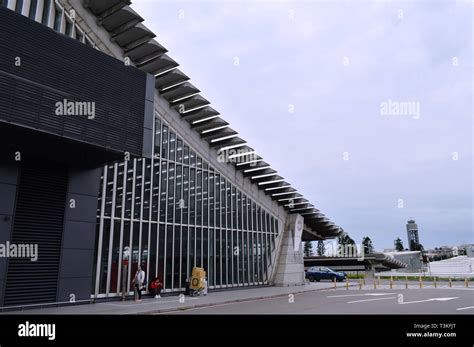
{"x":317,"y":273}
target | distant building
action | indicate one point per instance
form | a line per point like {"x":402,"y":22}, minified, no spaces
{"x":412,"y":234}
{"x":443,"y":252}
{"x":468,"y":249}
{"x":412,"y":259}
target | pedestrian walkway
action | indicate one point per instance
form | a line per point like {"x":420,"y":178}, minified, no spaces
{"x":175,"y":302}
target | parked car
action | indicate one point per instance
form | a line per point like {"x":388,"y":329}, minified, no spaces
{"x":317,"y":273}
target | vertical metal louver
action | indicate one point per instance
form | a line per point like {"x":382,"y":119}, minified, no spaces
{"x":39,"y":219}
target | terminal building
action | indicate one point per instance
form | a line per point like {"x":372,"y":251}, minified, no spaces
{"x":111,"y":158}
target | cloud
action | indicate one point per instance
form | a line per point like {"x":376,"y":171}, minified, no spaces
{"x":299,"y":61}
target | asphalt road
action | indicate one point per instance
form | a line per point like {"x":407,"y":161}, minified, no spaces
{"x":355,"y":301}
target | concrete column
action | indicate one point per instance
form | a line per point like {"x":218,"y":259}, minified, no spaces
{"x":77,"y":250}
{"x":290,"y":268}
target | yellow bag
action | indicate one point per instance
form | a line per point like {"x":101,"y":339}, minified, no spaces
{"x":198,"y":278}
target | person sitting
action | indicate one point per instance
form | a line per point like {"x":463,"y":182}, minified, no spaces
{"x":155,"y":287}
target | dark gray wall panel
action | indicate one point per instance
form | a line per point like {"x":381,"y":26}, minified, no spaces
{"x":79,"y":286}
{"x":55,"y":67}
{"x":8,"y":174}
{"x":79,"y":235}
{"x":76,"y":263}
{"x":85,"y":209}
{"x":7,"y":198}
{"x":85,"y":182}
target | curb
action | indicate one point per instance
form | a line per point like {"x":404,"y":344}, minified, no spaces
{"x":168,"y":310}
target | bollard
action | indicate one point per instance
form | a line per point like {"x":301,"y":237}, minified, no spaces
{"x":406,"y":282}
{"x":360,"y":284}
{"x":450,"y":283}
{"x":421,"y":283}
{"x":347,"y":284}
{"x":334,"y":279}
{"x":466,"y":283}
{"x":435,"y":282}
{"x":375,"y":284}
{"x":378,"y":281}
{"x":391,"y":282}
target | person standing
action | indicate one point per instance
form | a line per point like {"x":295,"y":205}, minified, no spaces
{"x":139,"y":282}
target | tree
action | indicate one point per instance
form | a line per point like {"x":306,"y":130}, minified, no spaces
{"x":347,"y":246}
{"x":345,"y":239}
{"x":368,"y":246}
{"x":399,"y":245}
{"x":308,"y":248}
{"x":321,"y":248}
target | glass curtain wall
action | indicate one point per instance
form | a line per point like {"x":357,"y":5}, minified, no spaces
{"x":173,"y":212}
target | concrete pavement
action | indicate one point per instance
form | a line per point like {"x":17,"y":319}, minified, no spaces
{"x":311,"y":298}
{"x":173,"y":303}
{"x":440,"y":301}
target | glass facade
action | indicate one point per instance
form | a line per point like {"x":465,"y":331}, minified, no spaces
{"x":173,"y":212}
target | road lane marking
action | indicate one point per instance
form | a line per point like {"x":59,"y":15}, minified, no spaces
{"x":366,"y":300}
{"x":428,"y":300}
{"x":464,"y":308}
{"x":371,"y":294}
{"x":145,"y":303}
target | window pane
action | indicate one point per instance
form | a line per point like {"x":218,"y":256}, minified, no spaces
{"x":33,"y":7}
{"x":234,"y":208}
{"x":157,"y":137}
{"x":211,"y":198}
{"x":104,"y":257}
{"x":19,"y":6}
{"x":218,"y":257}
{"x":163,"y":189}
{"x":185,"y":217}
{"x":68,"y":30}
{"x":177,"y":256}
{"x":179,"y":151}
{"x":138,"y":188}
{"x":192,"y":197}
{"x":185,"y":253}
{"x":218,"y":200}
{"x":144,"y":249}
{"x":156,"y":191}
{"x":199,"y":247}
{"x":186,"y":155}
{"x":169,"y":256}
{"x":153,"y":251}
{"x":199,"y":197}
{"x":229,"y":206}
{"x":147,"y":190}
{"x":161,"y":252}
{"x":205,"y":251}
{"x":164,"y":142}
{"x":179,"y":202}
{"x":205,"y":201}
{"x":128,"y":193}
{"x":58,"y":15}
{"x":171,"y":182}
{"x":46,"y":10}
{"x":172,"y":145}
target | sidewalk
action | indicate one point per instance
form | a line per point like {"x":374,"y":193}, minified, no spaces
{"x":171,"y":303}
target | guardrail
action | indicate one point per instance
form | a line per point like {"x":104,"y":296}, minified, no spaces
{"x":418,"y":274}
